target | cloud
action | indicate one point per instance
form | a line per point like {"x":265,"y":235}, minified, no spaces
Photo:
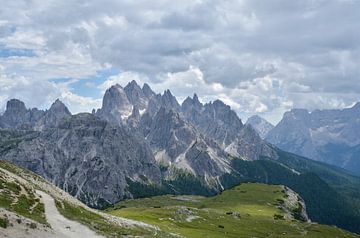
{"x":259,"y":56}
{"x":41,"y":93}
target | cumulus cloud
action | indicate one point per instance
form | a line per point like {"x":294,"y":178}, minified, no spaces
{"x":41,"y":93}
{"x":258,"y":56}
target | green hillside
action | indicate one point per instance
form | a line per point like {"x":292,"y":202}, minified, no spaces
{"x":18,"y":198}
{"x":247,"y":210}
{"x":329,"y":193}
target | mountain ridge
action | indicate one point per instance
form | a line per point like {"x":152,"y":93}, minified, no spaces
{"x":331,"y":136}
{"x":150,"y":145}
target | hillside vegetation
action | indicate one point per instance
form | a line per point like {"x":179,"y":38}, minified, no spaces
{"x":21,"y":209}
{"x":248,"y":210}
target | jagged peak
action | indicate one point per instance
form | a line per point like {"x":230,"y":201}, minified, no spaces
{"x":195,"y":97}
{"x":114,"y":87}
{"x":219,"y":104}
{"x":169,"y":99}
{"x":148,"y":92}
{"x":58,"y":105}
{"x":167,"y":92}
{"x":132,"y":85}
{"x":194,"y":101}
{"x":15,"y":103}
{"x":115,"y":97}
{"x":188,"y":100}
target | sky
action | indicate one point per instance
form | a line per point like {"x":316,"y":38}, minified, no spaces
{"x":258,"y":56}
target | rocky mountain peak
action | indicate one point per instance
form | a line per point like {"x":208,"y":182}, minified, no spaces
{"x":169,"y":101}
{"x":15,"y":114}
{"x":196,"y":102}
{"x":222,"y":112}
{"x":59,"y":107}
{"x":116,"y":105}
{"x":148,"y":92}
{"x":190,"y":106}
{"x":262,"y":126}
{"x":15,"y":106}
{"x":132,"y":87}
{"x":133,"y":84}
{"x":219,"y":103}
{"x":136,"y":95}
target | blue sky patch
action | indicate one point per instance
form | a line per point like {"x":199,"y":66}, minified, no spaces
{"x":88,"y":87}
{"x":11,"y":52}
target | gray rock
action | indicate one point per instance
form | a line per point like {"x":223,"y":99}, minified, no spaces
{"x":53,"y":116}
{"x":87,"y":157}
{"x":261,"y":125}
{"x":148,"y":92}
{"x":176,"y":142}
{"x":116,"y":106}
{"x":136,"y":96}
{"x":331,"y":136}
{"x":17,"y":116}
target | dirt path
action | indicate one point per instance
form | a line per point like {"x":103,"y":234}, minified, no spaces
{"x":62,"y":226}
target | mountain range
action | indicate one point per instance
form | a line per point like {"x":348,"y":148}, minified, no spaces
{"x":140,"y":144}
{"x":330,"y":136}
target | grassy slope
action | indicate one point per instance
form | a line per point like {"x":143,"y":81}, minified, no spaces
{"x":324,"y":203}
{"x":251,"y":208}
{"x":21,"y":199}
{"x":68,"y":209}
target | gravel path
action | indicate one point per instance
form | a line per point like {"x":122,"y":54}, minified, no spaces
{"x":62,"y":226}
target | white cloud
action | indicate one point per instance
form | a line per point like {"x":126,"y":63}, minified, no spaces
{"x":41,"y":93}
{"x":259,"y":56}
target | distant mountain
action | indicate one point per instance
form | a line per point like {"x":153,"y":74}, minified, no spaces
{"x":331,"y":136}
{"x":17,"y":116}
{"x":261,"y":126}
{"x":141,"y":144}
{"x":219,"y":122}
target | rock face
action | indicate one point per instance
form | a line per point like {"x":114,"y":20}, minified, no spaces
{"x":261,"y":126}
{"x":136,"y":95}
{"x":176,"y":143}
{"x":54,"y":115}
{"x":217,"y":121}
{"x":17,"y":116}
{"x":87,"y":157}
{"x":331,"y":136}
{"x":116,"y":106}
{"x":134,"y":134}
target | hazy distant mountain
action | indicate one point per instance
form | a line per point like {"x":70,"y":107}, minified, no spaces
{"x":331,"y":136}
{"x":17,"y":116}
{"x":261,"y":126}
